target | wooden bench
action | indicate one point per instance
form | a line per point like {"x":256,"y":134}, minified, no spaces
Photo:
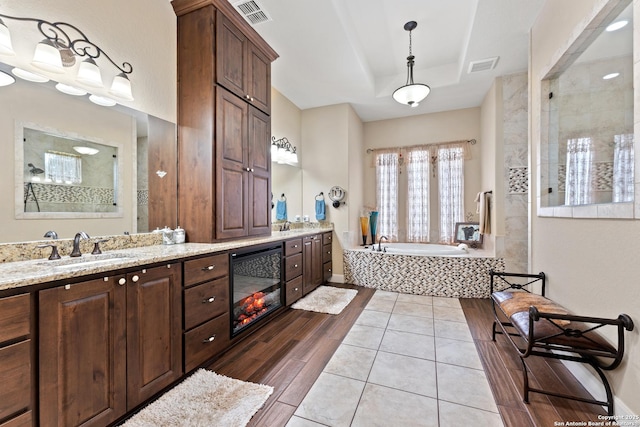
{"x":546,"y":329}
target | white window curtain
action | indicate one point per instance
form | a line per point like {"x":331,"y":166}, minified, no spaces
{"x":418,"y":195}
{"x":63,"y":168}
{"x":451,"y":189}
{"x":387,"y":194}
{"x":579,"y":182}
{"x":623,"y":187}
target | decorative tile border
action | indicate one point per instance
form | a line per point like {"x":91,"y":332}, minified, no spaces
{"x":456,"y":277}
{"x":54,"y":193}
{"x":519,"y":180}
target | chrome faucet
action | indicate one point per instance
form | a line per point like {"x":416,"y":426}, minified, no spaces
{"x":76,"y":243}
{"x":51,"y":234}
{"x":286,"y":226}
{"x":380,"y":243}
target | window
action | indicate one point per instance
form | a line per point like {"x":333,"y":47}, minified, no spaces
{"x":451,"y":189}
{"x":623,"y":185}
{"x":62,"y":168}
{"x":578,"y":182}
{"x":418,"y":195}
{"x":387,"y":194}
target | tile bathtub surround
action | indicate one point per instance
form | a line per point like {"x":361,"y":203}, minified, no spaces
{"x":408,"y":360}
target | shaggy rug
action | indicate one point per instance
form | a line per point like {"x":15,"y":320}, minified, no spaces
{"x":204,"y":399}
{"x":326,"y":299}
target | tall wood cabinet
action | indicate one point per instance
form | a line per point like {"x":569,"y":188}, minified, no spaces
{"x":224,"y":132}
{"x":108,"y":344}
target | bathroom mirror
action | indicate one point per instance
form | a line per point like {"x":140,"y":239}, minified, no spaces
{"x":287,"y":180}
{"x":66,"y":174}
{"x":587,"y":136}
{"x":127,"y":131}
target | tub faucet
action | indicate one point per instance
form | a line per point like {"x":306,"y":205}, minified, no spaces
{"x":76,"y":243}
{"x":380,"y":243}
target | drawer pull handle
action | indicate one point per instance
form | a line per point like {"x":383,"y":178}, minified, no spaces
{"x":208,"y":268}
{"x":295,"y":246}
{"x":208,"y":300}
{"x":329,"y":252}
{"x":122,"y":281}
{"x":295,"y":266}
{"x":135,"y":278}
{"x":295,"y":289}
{"x":210,"y":339}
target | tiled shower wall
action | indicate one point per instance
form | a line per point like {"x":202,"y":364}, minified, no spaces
{"x":516,"y":172}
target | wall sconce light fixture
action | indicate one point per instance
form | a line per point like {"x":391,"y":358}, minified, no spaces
{"x":62,"y":44}
{"x":283,"y":152}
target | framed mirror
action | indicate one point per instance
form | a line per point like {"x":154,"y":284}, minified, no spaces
{"x":66,"y":174}
{"x":468,"y":233}
{"x":587,"y":138}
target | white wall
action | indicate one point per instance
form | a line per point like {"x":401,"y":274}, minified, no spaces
{"x":591,"y":264}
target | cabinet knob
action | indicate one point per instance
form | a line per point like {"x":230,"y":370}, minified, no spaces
{"x":210,"y":339}
{"x":122,"y":281}
{"x":251,"y":169}
{"x":135,"y":278}
{"x":329,"y":252}
{"x":295,"y":289}
{"x":295,"y":266}
{"x":208,"y":300}
{"x":295,"y":246}
{"x":208,"y":268}
{"x":329,"y":270}
{"x":247,"y":169}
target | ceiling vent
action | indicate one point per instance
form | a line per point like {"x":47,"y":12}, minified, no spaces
{"x":252,"y":11}
{"x":482,"y":65}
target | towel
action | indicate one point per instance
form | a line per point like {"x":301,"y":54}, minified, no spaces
{"x":484,"y":209}
{"x":281,"y":210}
{"x":320,"y":210}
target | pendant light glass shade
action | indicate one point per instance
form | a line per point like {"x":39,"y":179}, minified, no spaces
{"x":411,"y":93}
{"x":6,"y":79}
{"x":121,"y":87}
{"x":89,"y":73}
{"x":6,"y":48}
{"x":29,"y":76}
{"x":47,"y":57}
{"x":70,"y":90}
{"x":101,"y":100}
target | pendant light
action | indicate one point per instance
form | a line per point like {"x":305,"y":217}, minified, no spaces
{"x":47,"y":57}
{"x":6,"y":48}
{"x":411,"y":93}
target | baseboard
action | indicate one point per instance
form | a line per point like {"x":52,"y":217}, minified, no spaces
{"x":592,"y":383}
{"x":337,"y":278}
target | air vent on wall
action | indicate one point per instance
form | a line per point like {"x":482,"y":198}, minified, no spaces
{"x":252,"y":11}
{"x":482,"y":65}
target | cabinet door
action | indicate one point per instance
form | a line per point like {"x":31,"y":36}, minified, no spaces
{"x":232,"y":159}
{"x":154,"y":328}
{"x":311,"y":263}
{"x":318,"y":274}
{"x":259,"y":78}
{"x":259,"y":174}
{"x":231,"y":57}
{"x":83,"y":353}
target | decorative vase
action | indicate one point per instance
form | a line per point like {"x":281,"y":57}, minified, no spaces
{"x":373,"y":220}
{"x":364,"y":227}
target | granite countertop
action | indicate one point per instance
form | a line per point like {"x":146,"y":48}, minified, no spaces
{"x":32,"y":272}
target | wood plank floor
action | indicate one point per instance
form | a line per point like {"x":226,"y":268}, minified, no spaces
{"x":290,"y":352}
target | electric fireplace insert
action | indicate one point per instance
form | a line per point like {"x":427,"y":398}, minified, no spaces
{"x":256,"y":285}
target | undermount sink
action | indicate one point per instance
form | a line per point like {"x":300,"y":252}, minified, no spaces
{"x":85,"y":260}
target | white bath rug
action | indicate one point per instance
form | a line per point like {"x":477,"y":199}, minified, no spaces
{"x":204,"y":399}
{"x":326,"y":299}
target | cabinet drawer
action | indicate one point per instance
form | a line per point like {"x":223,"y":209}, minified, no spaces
{"x":206,"y":301}
{"x":326,"y":253}
{"x":293,"y":290}
{"x":292,"y":267}
{"x":204,"y":269}
{"x":24,"y":420}
{"x":15,"y":371}
{"x":205,"y":341}
{"x":15,"y":317}
{"x":293,"y":246}
{"x":327,"y":273}
{"x":327,"y":238}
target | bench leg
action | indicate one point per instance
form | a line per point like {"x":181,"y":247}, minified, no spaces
{"x":525,"y":378}
{"x":493,"y":331}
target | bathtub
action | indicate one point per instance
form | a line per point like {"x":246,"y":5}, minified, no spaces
{"x":422,"y":269}
{"x":426,"y":249}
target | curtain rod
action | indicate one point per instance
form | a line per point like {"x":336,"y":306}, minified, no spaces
{"x":470,"y":141}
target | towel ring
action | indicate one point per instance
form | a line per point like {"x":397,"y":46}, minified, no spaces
{"x":320,"y":196}
{"x":283,"y":198}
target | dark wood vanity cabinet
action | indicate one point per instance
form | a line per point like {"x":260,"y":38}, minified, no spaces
{"x":293,"y":270}
{"x":327,"y":264}
{"x":16,"y":361}
{"x":107,"y":345}
{"x":224,"y":134}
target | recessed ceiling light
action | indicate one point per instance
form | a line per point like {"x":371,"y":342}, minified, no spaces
{"x":6,"y":79}
{"x":617,"y":25}
{"x":28,"y":75}
{"x":89,"y":151}
{"x":610,"y":76}
{"x":70,"y":90}
{"x":101,"y":100}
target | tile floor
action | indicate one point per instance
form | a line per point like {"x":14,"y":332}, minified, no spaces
{"x":408,"y":360}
